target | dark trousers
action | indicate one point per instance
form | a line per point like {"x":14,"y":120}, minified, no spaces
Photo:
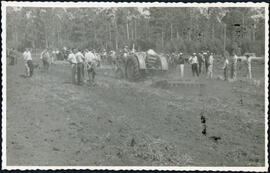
{"x":79,"y":73}
{"x":45,"y":64}
{"x":200,"y":67}
{"x":91,"y":74}
{"x":31,"y":67}
{"x":73,"y":73}
{"x":194,"y":68}
{"x":206,"y":67}
{"x":226,"y":73}
{"x":82,"y":70}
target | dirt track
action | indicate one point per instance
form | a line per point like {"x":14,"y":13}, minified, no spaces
{"x":52,"y":122}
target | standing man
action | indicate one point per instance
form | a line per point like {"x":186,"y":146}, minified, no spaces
{"x":28,"y":63}
{"x":79,"y":58}
{"x":72,"y":60}
{"x":53,"y":57}
{"x":206,"y":55}
{"x":90,"y":66}
{"x":226,"y":64}
{"x":194,"y":65}
{"x":200,"y":62}
{"x":248,"y":64}
{"x":225,"y":67}
{"x":45,"y":56}
{"x":181,"y":63}
{"x":210,"y":66}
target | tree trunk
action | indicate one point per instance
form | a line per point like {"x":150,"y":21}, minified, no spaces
{"x":162,"y":38}
{"x":171,"y":32}
{"x":132,"y":34}
{"x":127,"y":32}
{"x":135,"y":30}
{"x":110,"y":34}
{"x":116,"y":37}
{"x":225,"y":30}
{"x":213,"y":32}
{"x":189,"y":34}
{"x":254,"y":33}
{"x":148,"y":29}
{"x":16,"y":36}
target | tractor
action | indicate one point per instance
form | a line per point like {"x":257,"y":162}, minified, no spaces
{"x":136,"y":65}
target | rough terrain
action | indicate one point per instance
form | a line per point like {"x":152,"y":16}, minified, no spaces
{"x":52,"y":122}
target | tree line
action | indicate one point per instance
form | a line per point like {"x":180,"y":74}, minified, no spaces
{"x":164,"y":29}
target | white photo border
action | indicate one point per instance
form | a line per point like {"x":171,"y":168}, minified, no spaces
{"x":5,"y":4}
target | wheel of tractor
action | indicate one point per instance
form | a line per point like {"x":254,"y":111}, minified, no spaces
{"x":132,"y":69}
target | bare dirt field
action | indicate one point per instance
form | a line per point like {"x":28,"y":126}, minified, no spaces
{"x":51,"y":122}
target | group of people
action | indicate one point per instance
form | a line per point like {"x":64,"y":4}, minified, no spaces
{"x":49,"y":56}
{"x":203,"y":63}
{"x":84,"y":62}
{"x":83,"y":65}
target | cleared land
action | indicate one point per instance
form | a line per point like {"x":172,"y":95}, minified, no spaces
{"x":52,"y":122}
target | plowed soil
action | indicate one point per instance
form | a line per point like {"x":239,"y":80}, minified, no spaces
{"x":51,"y":122}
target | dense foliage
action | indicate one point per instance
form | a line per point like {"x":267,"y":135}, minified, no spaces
{"x":163,"y":29}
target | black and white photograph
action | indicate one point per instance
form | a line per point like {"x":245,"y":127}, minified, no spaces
{"x":134,"y":86}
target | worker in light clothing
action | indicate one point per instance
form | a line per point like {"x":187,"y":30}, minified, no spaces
{"x":210,"y":66}
{"x":248,"y":63}
{"x":79,"y":58}
{"x":181,"y":63}
{"x":90,"y":66}
{"x":225,"y":68}
{"x":226,"y":64}
{"x":28,"y":63}
{"x":45,"y":57}
{"x":206,"y":61}
{"x":72,"y":60}
{"x":194,"y":65}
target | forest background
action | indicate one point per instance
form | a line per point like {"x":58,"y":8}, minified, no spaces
{"x":167,"y":29}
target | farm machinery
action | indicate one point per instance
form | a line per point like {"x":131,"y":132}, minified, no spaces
{"x":136,"y":65}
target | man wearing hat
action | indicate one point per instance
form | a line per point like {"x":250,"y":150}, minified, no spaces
{"x":194,"y":64}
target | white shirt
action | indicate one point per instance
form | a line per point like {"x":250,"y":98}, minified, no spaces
{"x":226,"y":63}
{"x":72,"y":58}
{"x":89,"y":57}
{"x":45,"y":54}
{"x":235,"y":59}
{"x":97,"y":57}
{"x":27,"y":55}
{"x":211,"y":59}
{"x":194,"y":60}
{"x":79,"y":57}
